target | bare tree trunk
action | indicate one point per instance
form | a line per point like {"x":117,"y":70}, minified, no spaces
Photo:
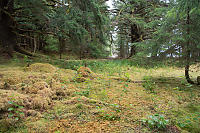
{"x":127,"y":49}
{"x":111,"y":43}
{"x":134,"y":38}
{"x":122,"y":50}
{"x":35,"y":43}
{"x":60,"y":47}
{"x":80,"y":52}
{"x":187,"y":66}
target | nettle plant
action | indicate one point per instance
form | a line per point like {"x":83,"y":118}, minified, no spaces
{"x":156,"y":121}
{"x":15,"y":111}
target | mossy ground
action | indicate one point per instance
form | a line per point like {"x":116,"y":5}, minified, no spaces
{"x":55,"y":101}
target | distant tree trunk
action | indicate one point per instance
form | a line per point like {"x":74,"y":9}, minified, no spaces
{"x":80,"y":54}
{"x":61,"y":46}
{"x":187,"y":66}
{"x":111,"y":43}
{"x":134,"y":38}
{"x":122,"y":50}
{"x":35,"y":43}
{"x":133,"y":51}
{"x":127,"y":49}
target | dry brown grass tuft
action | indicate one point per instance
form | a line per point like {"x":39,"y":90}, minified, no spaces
{"x":41,"y":67}
{"x":84,"y":73}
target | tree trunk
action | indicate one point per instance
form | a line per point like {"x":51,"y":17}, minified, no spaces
{"x":134,"y":38}
{"x":187,"y":66}
{"x":80,"y":53}
{"x":133,"y":51}
{"x":61,"y":46}
{"x":35,"y":43}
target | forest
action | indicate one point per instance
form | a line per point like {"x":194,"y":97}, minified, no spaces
{"x":95,"y":66}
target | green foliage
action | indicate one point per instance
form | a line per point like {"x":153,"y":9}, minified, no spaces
{"x":113,"y":66}
{"x":156,"y":121}
{"x":79,"y":106}
{"x":16,"y":59}
{"x":116,"y":107}
{"x":52,"y":44}
{"x":74,"y":23}
{"x":124,"y":76}
{"x":15,"y":111}
{"x":97,"y":51}
{"x":85,"y":93}
{"x":188,"y":117}
{"x":27,"y":59}
{"x":110,"y":117}
{"x":125,"y":88}
{"x":148,"y":84}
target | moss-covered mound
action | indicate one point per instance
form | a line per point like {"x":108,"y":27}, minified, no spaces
{"x":84,"y":73}
{"x":35,"y":88}
{"x":41,"y":67}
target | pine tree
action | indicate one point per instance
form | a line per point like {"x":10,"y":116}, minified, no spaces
{"x":31,"y":21}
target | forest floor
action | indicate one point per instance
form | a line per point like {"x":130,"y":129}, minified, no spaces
{"x":102,"y":97}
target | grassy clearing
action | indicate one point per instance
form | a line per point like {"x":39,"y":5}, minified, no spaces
{"x":105,"y":101}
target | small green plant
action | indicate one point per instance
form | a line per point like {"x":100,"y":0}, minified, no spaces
{"x":110,"y":117}
{"x":188,"y":85}
{"x":27,"y":60}
{"x":125,"y":88}
{"x":190,"y":122}
{"x":156,"y":121}
{"x":149,"y":85}
{"x":85,"y":93}
{"x":127,"y":77}
{"x":116,"y":107}
{"x":79,"y":106}
{"x":15,"y":111}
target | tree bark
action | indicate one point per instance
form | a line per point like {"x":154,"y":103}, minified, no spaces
{"x":187,"y":66}
{"x":61,"y":46}
{"x":134,"y":38}
{"x":35,"y":43}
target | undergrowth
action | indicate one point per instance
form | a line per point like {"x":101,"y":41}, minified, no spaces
{"x":109,"y":99}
